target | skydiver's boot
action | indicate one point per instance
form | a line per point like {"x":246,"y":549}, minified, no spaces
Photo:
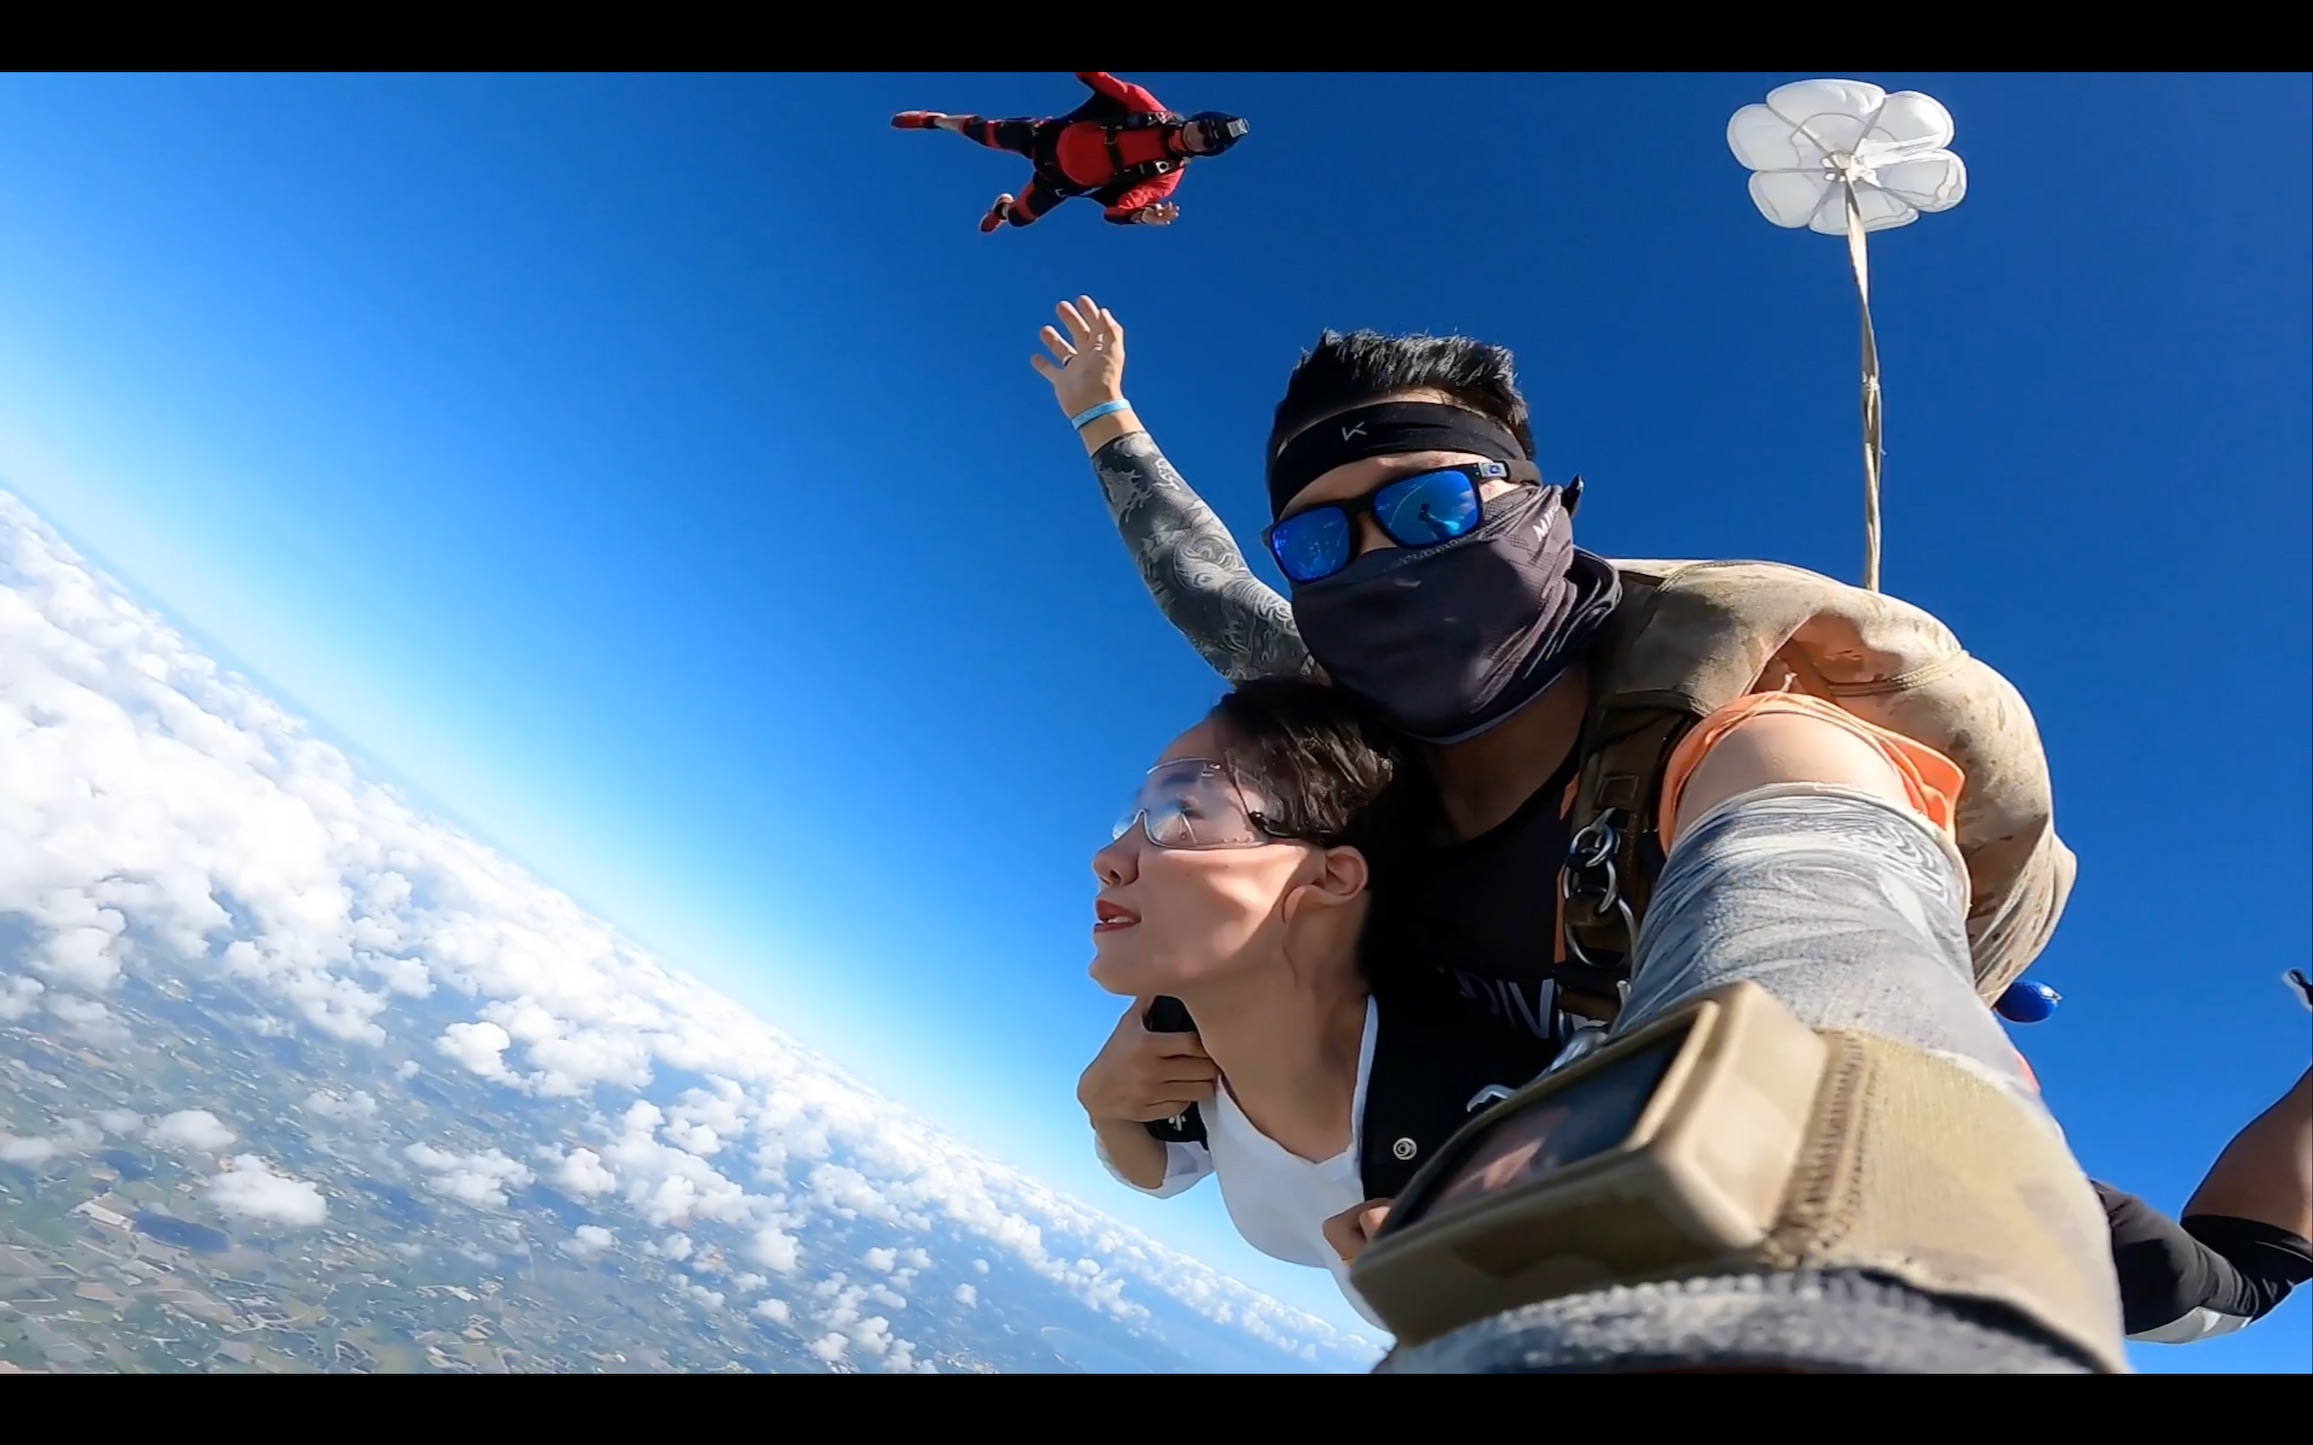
{"x":996,"y":215}
{"x":917,"y":120}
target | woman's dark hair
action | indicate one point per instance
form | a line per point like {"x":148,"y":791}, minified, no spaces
{"x":1326,"y":768}
{"x":1341,"y":372}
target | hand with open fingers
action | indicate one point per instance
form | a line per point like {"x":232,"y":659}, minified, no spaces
{"x":1352,"y":1229}
{"x":1163,"y":213}
{"x":1142,"y":1076}
{"x":1086,"y":367}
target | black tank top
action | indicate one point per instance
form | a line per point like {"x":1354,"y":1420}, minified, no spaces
{"x":1484,"y":913}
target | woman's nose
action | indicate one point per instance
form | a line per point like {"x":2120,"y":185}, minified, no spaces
{"x":1115,"y":864}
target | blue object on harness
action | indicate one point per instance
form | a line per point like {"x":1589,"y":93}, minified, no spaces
{"x":2026,"y":1002}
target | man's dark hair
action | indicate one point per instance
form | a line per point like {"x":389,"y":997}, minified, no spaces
{"x":1341,"y":372}
{"x":1326,"y":767}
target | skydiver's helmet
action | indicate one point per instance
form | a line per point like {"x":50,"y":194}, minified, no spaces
{"x":1215,"y":132}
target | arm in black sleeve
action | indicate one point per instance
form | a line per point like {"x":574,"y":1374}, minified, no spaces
{"x":2209,"y":1276}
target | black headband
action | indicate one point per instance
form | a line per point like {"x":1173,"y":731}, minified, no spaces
{"x":1385,"y":429}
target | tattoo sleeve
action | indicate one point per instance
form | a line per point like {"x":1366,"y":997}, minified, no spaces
{"x":1193,"y":568}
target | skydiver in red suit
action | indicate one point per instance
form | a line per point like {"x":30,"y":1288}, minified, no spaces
{"x":1121,"y":147}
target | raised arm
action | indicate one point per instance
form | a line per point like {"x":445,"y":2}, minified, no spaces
{"x":1187,"y":559}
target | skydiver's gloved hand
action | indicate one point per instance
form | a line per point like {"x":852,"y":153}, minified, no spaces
{"x":1086,"y":369}
{"x":1162,"y":213}
{"x":1141,"y":1076}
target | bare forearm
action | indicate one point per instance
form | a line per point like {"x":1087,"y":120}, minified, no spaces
{"x":1137,"y":1154}
{"x":1190,"y":563}
{"x":2266,"y":1173}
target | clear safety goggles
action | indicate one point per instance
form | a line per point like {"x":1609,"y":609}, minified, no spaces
{"x":1194,"y":803}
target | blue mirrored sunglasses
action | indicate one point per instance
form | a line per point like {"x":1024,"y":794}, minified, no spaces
{"x":1423,"y":510}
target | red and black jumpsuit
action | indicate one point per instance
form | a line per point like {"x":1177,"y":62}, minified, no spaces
{"x":1073,"y":158}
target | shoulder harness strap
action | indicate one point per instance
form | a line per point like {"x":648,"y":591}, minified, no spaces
{"x":1670,"y":657}
{"x":1145,"y":170}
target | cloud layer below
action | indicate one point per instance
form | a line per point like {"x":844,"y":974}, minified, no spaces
{"x":158,"y":814}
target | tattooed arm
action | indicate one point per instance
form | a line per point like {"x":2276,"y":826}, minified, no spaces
{"x":1187,"y":558}
{"x":1193,"y":569}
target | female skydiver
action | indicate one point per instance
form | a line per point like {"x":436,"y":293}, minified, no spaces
{"x":1237,"y":885}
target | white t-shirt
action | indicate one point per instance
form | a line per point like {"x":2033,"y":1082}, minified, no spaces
{"x":1278,"y":1200}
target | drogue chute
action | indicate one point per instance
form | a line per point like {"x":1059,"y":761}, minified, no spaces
{"x":1843,"y":157}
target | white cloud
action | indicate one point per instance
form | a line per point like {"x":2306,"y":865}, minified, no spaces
{"x":587,"y":1242}
{"x":358,"y":1108}
{"x":67,"y":1137}
{"x":777,"y":1311}
{"x":247,"y":1187}
{"x":29,"y":1152}
{"x":157,"y":811}
{"x":120,"y":1121}
{"x":777,"y":1250}
{"x":967,"y":1296}
{"x":881,"y":1260}
{"x":480,"y":1048}
{"x":829,"y":1347}
{"x":195,"y":1129}
{"x":480,"y":1179}
{"x":582,"y":1174}
{"x":873,"y":1336}
{"x":77,"y":1010}
{"x":20,"y":997}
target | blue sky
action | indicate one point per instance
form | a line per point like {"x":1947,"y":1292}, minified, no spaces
{"x":647,"y":472}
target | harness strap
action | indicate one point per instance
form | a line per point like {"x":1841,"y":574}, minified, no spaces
{"x":1143,"y":170}
{"x":1614,"y":857}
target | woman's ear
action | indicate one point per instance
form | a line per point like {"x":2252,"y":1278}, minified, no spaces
{"x":1341,"y":879}
{"x":1346,"y":873}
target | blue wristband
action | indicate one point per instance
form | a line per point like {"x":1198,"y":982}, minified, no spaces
{"x":1084,"y":419}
